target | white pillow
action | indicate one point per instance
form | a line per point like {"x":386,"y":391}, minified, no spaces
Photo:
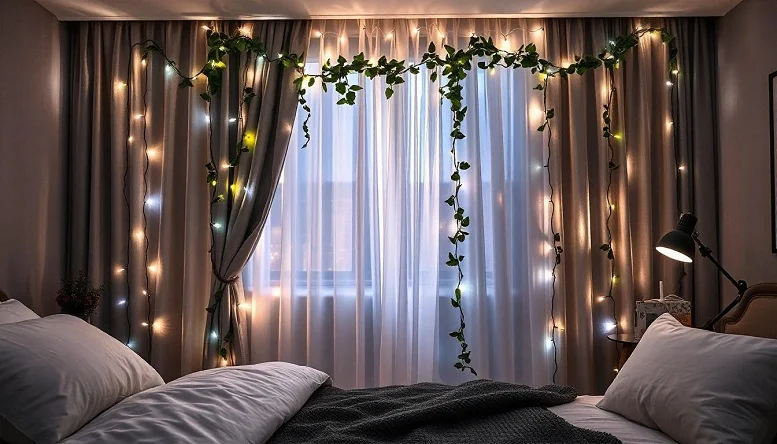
{"x":698,"y":386}
{"x":59,"y":372}
{"x":14,"y":311}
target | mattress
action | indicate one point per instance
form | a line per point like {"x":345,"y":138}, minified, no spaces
{"x":584,"y":413}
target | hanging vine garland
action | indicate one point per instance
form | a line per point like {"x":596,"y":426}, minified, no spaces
{"x":455,"y":65}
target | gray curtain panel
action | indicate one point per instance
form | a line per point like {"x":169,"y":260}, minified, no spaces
{"x":239,"y":219}
{"x":649,"y":191}
{"x":109,"y":179}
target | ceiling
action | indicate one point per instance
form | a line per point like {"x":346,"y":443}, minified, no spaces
{"x":269,"y":9}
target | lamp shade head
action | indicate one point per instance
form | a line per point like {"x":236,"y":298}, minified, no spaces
{"x":678,"y":244}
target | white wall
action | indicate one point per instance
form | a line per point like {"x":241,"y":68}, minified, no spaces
{"x":747,"y":53}
{"x":32,"y":154}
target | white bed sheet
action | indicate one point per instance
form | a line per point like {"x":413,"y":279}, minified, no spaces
{"x":584,"y":413}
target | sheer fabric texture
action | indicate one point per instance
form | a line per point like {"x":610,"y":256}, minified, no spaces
{"x":350,"y":276}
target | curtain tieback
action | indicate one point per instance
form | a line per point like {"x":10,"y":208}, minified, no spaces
{"x":222,"y":280}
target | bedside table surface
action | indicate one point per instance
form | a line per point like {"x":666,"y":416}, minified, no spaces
{"x":624,"y":338}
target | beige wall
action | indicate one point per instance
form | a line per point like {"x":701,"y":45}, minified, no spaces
{"x":747,"y":53}
{"x":32,"y":155}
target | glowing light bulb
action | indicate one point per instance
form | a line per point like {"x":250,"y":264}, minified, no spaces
{"x":131,"y":344}
{"x":225,"y":166}
{"x":143,"y":63}
{"x":417,"y":31}
{"x":617,"y":136}
{"x":669,"y":123}
{"x":207,"y":119}
{"x":244,"y":31}
{"x":280,"y":55}
{"x":130,"y":139}
{"x":119,"y":270}
{"x":234,"y":188}
{"x":206,"y":28}
{"x":145,"y":293}
{"x":224,"y":363}
{"x":492,"y":71}
{"x":675,"y":71}
{"x":612,"y":206}
{"x":214,"y":335}
{"x":168,"y":69}
{"x":121,"y":302}
{"x":152,"y":153}
{"x":232,"y":120}
{"x":542,"y":76}
{"x":139,"y":116}
{"x":615,"y":370}
{"x":138,"y":235}
{"x":342,"y":38}
{"x":600,"y":299}
{"x":317,"y":34}
{"x":154,"y":268}
{"x":389,"y":36}
{"x":609,"y":326}
{"x":681,"y":168}
{"x":217,"y":225}
{"x":213,"y":182}
{"x":244,"y":306}
{"x":145,"y":324}
{"x":548,"y":343}
{"x":669,"y":83}
{"x":120,"y":85}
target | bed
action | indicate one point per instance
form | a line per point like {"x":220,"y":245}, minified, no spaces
{"x":283,"y":403}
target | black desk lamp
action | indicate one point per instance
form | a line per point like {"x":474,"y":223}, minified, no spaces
{"x":680,"y":245}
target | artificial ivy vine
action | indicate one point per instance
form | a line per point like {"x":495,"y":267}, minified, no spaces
{"x":451,"y":67}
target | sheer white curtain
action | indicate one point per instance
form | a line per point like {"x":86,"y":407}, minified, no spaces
{"x":350,"y":276}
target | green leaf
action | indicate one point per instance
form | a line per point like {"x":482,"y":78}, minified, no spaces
{"x":465,"y":222}
{"x":389,"y":93}
{"x":432,"y":48}
{"x":557,"y":237}
{"x":464,"y":165}
{"x":604,"y":247}
{"x":205,"y":96}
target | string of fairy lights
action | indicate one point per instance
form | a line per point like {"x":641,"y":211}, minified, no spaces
{"x":611,"y":136}
{"x":138,"y":234}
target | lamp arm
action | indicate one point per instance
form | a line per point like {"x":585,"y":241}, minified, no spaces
{"x":707,"y":252}
{"x":740,"y":284}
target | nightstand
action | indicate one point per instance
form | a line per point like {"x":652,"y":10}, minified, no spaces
{"x":627,"y":342}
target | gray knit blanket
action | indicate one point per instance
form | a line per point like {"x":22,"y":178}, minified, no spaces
{"x":480,"y":412}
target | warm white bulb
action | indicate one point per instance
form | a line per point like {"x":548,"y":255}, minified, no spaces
{"x":672,"y":254}
{"x":154,"y":268}
{"x":675,"y":71}
{"x":138,"y":116}
{"x":168,"y":69}
{"x":669,"y":83}
{"x":317,"y":34}
{"x":122,"y":302}
{"x":152,"y":153}
{"x":232,"y":120}
{"x":342,"y":39}
{"x":681,"y":168}
{"x":548,"y":343}
{"x":609,"y":326}
{"x":143,"y":62}
{"x":138,"y":235}
{"x":130,"y":139}
{"x":119,"y":270}
{"x":145,"y":324}
{"x":600,"y":299}
{"x":389,"y":36}
{"x":145,"y":293}
{"x":207,"y":119}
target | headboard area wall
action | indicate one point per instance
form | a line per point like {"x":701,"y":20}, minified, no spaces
{"x":3,"y":296}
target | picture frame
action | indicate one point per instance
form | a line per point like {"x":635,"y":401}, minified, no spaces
{"x":773,"y":153}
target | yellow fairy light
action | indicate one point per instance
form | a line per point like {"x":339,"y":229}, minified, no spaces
{"x":317,"y":34}
{"x":213,"y":183}
{"x":542,"y":76}
{"x":669,"y":83}
{"x":600,"y":299}
{"x":138,"y":235}
{"x":130,"y":139}
{"x":234,"y":188}
{"x":145,"y":293}
{"x":120,"y":85}
{"x":342,"y":38}
{"x":389,"y":36}
{"x":154,"y":268}
{"x":119,"y":270}
{"x":152,"y":153}
{"x":681,"y":168}
{"x":617,"y":136}
{"x":139,"y":116}
{"x":669,"y":123}
{"x":143,"y":62}
{"x":224,"y":362}
{"x":224,"y":166}
{"x":675,"y":71}
{"x":145,"y":324}
{"x":249,"y":139}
